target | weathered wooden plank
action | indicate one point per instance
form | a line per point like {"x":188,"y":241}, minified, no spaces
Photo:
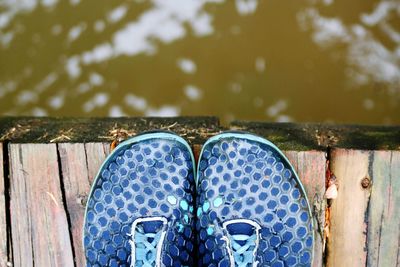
{"x":384,"y":210}
{"x":76,"y":185}
{"x":347,"y":239}
{"x":39,"y":223}
{"x":80,"y":164}
{"x":3,"y":220}
{"x":95,"y":155}
{"x":310,"y":166}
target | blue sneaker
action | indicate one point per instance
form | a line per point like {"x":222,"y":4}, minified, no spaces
{"x":252,"y":208}
{"x":140,"y":208}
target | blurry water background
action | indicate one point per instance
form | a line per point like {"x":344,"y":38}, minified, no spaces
{"x":268,"y":60}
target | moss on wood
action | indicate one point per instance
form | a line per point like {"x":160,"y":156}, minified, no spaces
{"x":293,"y":136}
{"x":287,"y":136}
{"x":59,"y":130}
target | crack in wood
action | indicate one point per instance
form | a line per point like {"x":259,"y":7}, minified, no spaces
{"x":6,"y":190}
{"x":64,"y":201}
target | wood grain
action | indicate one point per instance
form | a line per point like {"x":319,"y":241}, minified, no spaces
{"x":39,"y":224}
{"x":76,"y":185}
{"x":384,"y":210}
{"x":3,"y":220}
{"x":95,"y":155}
{"x":80,"y":164}
{"x":347,"y":241}
{"x":310,"y":167}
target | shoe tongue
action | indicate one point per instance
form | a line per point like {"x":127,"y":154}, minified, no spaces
{"x":152,"y":226}
{"x":240,"y":228}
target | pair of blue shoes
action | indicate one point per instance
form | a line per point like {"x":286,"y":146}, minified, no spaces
{"x":244,"y":206}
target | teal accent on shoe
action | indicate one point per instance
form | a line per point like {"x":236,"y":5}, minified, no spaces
{"x":206,"y":206}
{"x":218,"y":202}
{"x":255,"y":182}
{"x":210,"y":230}
{"x":184,"y":205}
{"x":134,"y":182}
{"x":171,"y":200}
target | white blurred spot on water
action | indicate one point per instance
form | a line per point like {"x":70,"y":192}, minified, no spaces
{"x":391,"y":32}
{"x":98,"y":100}
{"x":98,"y":54}
{"x":56,"y":29}
{"x":25,"y":97}
{"x":49,"y":3}
{"x":327,"y":2}
{"x":56,"y":102}
{"x":116,"y":111}
{"x":260,"y":64}
{"x":202,"y":25}
{"x":164,"y":22}
{"x":277,"y":108}
{"x":99,"y":25}
{"x":235,"y":87}
{"x":117,"y":14}
{"x":5,"y":19}
{"x":192,"y":92}
{"x":46,"y":82}
{"x":327,"y":31}
{"x":380,"y":13}
{"x":368,"y":104}
{"x":246,"y":7}
{"x":375,"y":62}
{"x":283,"y":118}
{"x":136,"y":102}
{"x":187,"y":65}
{"x":96,"y":79}
{"x":11,"y":8}
{"x":370,"y":60}
{"x":163,"y":111}
{"x":7,"y":87}
{"x":83,"y":88}
{"x":136,"y":37}
{"x":6,"y":39}
{"x":72,"y":67}
{"x":76,"y":31}
{"x":39,"y":112}
{"x":74,"y":2}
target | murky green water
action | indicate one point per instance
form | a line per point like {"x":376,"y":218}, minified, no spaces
{"x":269,"y":60}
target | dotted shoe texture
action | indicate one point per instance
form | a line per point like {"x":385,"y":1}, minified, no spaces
{"x":148,"y":176}
{"x":244,"y":177}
